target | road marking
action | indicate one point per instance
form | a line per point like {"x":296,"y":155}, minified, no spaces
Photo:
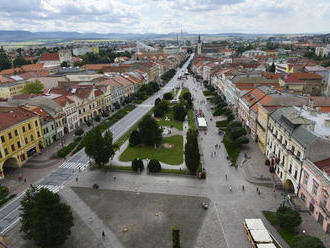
{"x":219,"y":220}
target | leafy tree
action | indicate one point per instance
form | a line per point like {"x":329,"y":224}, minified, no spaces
{"x":154,"y":86}
{"x":188,"y":100}
{"x":168,"y":96}
{"x":35,"y":87}
{"x":19,"y":61}
{"x":137,"y":164}
{"x":161,"y":108}
{"x":176,"y":237}
{"x":150,"y":132}
{"x":154,"y":166}
{"x":233,"y":124}
{"x":192,"y":155}
{"x":237,"y":132}
{"x":287,"y":217}
{"x":306,"y":241}
{"x":242,"y":140}
{"x":44,"y":218}
{"x":157,"y":101}
{"x":99,"y":147}
{"x":134,"y":138}
{"x":64,"y":64}
{"x":179,"y":112}
{"x":4,"y":60}
{"x":272,"y":68}
{"x":79,"y":132}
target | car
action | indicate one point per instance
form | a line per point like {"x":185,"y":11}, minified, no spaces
{"x":220,"y":132}
{"x":205,"y":205}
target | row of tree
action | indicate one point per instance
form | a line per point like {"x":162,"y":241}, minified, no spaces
{"x":167,"y":76}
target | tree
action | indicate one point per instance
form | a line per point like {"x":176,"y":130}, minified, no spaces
{"x":64,"y":64}
{"x":19,"y":61}
{"x":191,"y":152}
{"x":176,"y":237}
{"x":161,"y":108}
{"x":306,"y":241}
{"x":287,"y":217}
{"x":134,"y":138}
{"x":154,"y":166}
{"x":237,"y":132}
{"x":272,"y":68}
{"x":137,"y":164}
{"x":4,"y":60}
{"x":242,"y":140}
{"x":35,"y":87}
{"x":157,"y":101}
{"x":168,"y":96}
{"x":44,"y":218}
{"x":179,"y":112}
{"x":79,"y":132}
{"x":188,"y":100}
{"x":99,"y":147}
{"x":150,"y":132}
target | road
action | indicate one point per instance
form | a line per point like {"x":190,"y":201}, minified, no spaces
{"x":55,"y":181}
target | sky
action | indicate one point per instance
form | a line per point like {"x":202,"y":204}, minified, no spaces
{"x":165,"y":16}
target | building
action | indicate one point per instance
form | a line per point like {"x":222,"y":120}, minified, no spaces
{"x":294,"y":135}
{"x":8,"y":90}
{"x":315,"y":190}
{"x":254,"y":53}
{"x":323,"y":51}
{"x":83,"y":50}
{"x":20,"y":137}
{"x":325,"y":74}
{"x":199,"y":45}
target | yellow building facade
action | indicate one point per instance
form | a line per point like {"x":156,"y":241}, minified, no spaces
{"x":11,"y":89}
{"x":20,"y":137}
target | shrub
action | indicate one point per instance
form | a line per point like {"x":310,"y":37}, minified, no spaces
{"x":67,"y":149}
{"x":78,"y":132}
{"x":137,"y":164}
{"x":105,"y":114}
{"x":218,"y":112}
{"x":287,"y":217}
{"x":157,"y":101}
{"x":3,"y":192}
{"x":242,"y":140}
{"x":306,"y":241}
{"x":236,"y":132}
{"x":134,"y":138}
{"x":223,"y":123}
{"x":168,"y":96}
{"x":154,"y":166}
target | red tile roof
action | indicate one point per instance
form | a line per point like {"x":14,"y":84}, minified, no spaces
{"x":6,"y":80}
{"x":11,"y":71}
{"x":33,"y":67}
{"x":49,"y":57}
{"x":62,"y":100}
{"x":269,"y":75}
{"x":38,"y":111}
{"x":33,"y":74}
{"x":306,"y":75}
{"x":324,"y":165}
{"x":11,"y":116}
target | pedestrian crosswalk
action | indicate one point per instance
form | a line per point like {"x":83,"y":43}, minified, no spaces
{"x":74,"y":165}
{"x":52,"y":188}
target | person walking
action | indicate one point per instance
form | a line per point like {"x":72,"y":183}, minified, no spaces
{"x":257,"y":189}
{"x":114,"y":178}
{"x":230,"y":189}
{"x":243,"y":187}
{"x":103,"y":235}
{"x":226,"y":177}
{"x":76,"y":179}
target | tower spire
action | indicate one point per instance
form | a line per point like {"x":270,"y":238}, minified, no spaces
{"x":199,"y":38}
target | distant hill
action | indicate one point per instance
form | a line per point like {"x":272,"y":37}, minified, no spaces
{"x":14,"y":36}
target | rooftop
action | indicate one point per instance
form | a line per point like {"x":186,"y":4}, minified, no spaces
{"x":10,"y":116}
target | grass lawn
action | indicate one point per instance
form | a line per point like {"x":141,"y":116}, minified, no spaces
{"x":177,"y":124}
{"x":233,"y":150}
{"x":172,"y":156}
{"x":184,"y":90}
{"x":286,"y":234}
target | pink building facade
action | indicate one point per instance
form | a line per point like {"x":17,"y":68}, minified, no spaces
{"x":315,"y":190}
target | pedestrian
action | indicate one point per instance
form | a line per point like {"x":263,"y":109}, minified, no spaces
{"x":24,"y":179}
{"x":215,"y":153}
{"x":226,"y":177}
{"x":257,"y":189}
{"x":216,"y":146}
{"x":243,"y":187}
{"x":230,"y":189}
{"x":114,"y":178}
{"x":76,"y":179}
{"x":103,"y":235}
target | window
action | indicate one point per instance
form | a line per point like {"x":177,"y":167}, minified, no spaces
{"x":290,"y":168}
{"x":10,"y":136}
{"x":26,"y":140}
{"x":324,"y":201}
{"x":292,"y":149}
{"x":31,"y":137}
{"x":303,"y":197}
{"x":298,"y":154}
{"x":295,"y":174}
{"x":2,"y":138}
{"x":6,"y":151}
{"x":315,"y":187}
{"x":23,"y":129}
{"x":13,"y":147}
{"x":16,"y":132}
{"x":29,"y":126}
{"x":38,"y":133}
{"x":36,"y":123}
{"x":18,"y":144}
{"x":306,"y":176}
{"x":52,"y":127}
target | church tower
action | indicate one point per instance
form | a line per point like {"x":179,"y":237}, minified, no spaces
{"x":199,"y":45}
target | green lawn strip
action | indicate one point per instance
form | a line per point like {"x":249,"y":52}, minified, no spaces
{"x":184,"y":90}
{"x":285,"y":233}
{"x":67,"y":149}
{"x":172,"y":156}
{"x":233,"y":150}
{"x":191,"y":119}
{"x":124,"y":168}
{"x":108,"y":123}
{"x":177,"y":124}
{"x":173,"y":171}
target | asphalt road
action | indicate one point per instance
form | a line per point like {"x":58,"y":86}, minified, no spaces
{"x":9,"y":214}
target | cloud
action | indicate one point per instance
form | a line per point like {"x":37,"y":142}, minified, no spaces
{"x":162,"y":16}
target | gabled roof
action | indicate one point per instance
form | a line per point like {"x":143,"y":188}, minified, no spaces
{"x":11,"y":71}
{"x":33,"y":67}
{"x":10,"y":116}
{"x":62,"y":100}
{"x":49,"y":57}
{"x":324,"y":165}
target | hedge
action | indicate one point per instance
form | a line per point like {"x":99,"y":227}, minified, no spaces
{"x":223,"y":123}
{"x":67,"y":149}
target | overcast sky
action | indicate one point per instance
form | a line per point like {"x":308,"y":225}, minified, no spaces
{"x":164,"y":16}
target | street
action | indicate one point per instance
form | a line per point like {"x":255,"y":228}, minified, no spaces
{"x":9,"y":214}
